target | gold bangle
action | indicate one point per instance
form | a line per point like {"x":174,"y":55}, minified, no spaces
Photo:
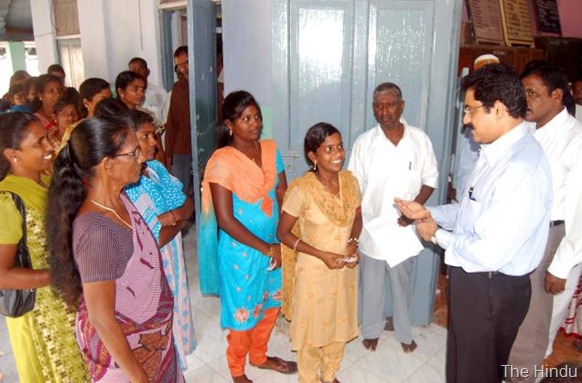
{"x":271,"y":251}
{"x":183,"y":222}
{"x":174,"y":217}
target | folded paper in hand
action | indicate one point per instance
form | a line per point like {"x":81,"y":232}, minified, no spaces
{"x":399,"y":242}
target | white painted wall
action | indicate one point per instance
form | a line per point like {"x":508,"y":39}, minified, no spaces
{"x":112,"y":32}
{"x":44,"y":33}
{"x":94,"y":37}
{"x":248,"y":51}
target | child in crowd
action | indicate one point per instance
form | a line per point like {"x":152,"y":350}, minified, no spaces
{"x":65,"y":114}
{"x":17,"y":97}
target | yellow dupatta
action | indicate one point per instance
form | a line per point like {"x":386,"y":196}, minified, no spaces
{"x":32,"y":194}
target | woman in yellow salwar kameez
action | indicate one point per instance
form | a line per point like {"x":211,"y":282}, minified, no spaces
{"x":43,"y":340}
{"x":320,"y":225}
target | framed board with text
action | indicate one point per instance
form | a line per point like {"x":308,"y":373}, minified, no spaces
{"x":485,"y":18}
{"x":547,"y":16}
{"x":516,"y":23}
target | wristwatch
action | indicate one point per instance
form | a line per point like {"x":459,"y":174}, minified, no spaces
{"x":433,"y":239}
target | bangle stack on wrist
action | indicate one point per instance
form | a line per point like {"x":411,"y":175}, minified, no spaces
{"x":354,"y":240}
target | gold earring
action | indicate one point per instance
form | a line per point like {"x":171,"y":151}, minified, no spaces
{"x":230,"y":132}
{"x":315,"y":166}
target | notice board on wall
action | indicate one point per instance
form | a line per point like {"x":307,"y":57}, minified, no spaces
{"x":547,"y":16}
{"x":66,"y":17}
{"x":516,"y":22}
{"x":485,"y":18}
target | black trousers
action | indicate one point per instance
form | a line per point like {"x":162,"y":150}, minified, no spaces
{"x":485,"y":312}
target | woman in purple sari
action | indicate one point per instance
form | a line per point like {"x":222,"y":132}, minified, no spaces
{"x":105,"y":260}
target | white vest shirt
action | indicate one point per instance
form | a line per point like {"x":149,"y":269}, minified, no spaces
{"x":155,"y":98}
{"x":561,"y":139}
{"x":386,"y":171}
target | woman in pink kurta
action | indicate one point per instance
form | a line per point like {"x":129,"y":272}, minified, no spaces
{"x":143,"y":300}
{"x":105,"y":260}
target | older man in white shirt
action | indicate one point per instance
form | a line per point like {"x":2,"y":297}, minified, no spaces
{"x":390,"y":160}
{"x":560,"y":135}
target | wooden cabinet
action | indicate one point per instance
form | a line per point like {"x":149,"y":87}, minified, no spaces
{"x":563,"y":51}
{"x":516,"y":57}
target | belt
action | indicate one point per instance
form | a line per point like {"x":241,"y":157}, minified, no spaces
{"x":494,"y":274}
{"x":556,"y":223}
{"x":488,"y":274}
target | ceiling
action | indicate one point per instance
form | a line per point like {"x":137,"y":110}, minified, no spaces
{"x":15,"y":20}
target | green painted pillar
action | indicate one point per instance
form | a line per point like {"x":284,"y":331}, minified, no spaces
{"x":17,"y":55}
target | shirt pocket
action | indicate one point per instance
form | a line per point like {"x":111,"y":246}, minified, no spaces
{"x":414,"y":182}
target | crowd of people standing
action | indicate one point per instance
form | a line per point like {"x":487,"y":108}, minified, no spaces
{"x":106,"y":203}
{"x":103,"y":226}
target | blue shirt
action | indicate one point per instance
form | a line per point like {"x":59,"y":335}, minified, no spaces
{"x":502,"y":220}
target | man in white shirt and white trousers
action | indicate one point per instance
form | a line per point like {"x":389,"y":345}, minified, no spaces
{"x":554,"y":281}
{"x":495,"y":236}
{"x":391,"y":160}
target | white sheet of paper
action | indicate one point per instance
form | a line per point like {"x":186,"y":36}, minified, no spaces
{"x":399,"y":242}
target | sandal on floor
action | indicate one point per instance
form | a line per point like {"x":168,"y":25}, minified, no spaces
{"x":277,"y":364}
{"x":408,"y":348}
{"x":241,"y":379}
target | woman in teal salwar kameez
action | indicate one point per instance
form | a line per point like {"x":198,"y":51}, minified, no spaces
{"x":239,"y":253}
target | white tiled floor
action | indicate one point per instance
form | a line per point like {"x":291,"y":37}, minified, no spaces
{"x":208,"y":362}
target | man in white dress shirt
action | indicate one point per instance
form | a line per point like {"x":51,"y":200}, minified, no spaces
{"x":155,"y":96}
{"x":577,"y":93}
{"x":495,"y":236}
{"x":467,"y":149}
{"x":554,"y":281}
{"x":390,"y":160}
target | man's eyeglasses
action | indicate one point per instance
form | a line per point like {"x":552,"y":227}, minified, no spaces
{"x":134,"y":154}
{"x":471,"y":109}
